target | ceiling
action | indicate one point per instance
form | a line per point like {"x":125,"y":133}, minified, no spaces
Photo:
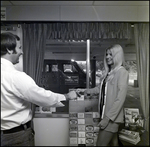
{"x":74,"y":3}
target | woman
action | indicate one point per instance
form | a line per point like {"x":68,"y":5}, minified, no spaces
{"x":112,"y":92}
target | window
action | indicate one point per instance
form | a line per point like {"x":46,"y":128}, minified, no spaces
{"x":55,"y":68}
{"x":69,"y":68}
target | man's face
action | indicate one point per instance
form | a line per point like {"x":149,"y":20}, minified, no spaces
{"x":109,"y":58}
{"x":17,"y":54}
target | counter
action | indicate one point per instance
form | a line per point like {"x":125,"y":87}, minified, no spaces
{"x":51,"y":115}
{"x":52,"y":129}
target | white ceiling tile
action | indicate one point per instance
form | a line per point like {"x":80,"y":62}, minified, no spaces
{"x":75,"y":3}
{"x":5,"y":3}
{"x":120,"y":3}
{"x":50,"y":3}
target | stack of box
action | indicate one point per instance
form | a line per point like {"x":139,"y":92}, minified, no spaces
{"x":129,"y":136}
{"x":83,"y":123}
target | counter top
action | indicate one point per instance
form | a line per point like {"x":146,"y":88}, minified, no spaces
{"x":51,"y":115}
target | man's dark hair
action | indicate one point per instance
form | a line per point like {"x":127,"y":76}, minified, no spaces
{"x":8,"y":42}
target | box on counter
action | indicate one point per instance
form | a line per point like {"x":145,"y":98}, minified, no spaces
{"x":81,"y":121}
{"x":81,"y":134}
{"x":81,"y":127}
{"x":73,"y":141}
{"x":73,"y":134}
{"x":81,"y":140}
{"x":80,"y":115}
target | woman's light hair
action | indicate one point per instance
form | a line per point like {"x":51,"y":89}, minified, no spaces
{"x":117,"y":55}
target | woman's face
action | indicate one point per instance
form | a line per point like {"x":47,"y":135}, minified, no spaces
{"x":109,"y":58}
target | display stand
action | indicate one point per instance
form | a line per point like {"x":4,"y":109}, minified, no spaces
{"x":83,"y":121}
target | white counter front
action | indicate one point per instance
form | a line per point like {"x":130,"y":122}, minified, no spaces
{"x":51,"y":131}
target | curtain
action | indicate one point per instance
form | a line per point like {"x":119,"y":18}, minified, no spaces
{"x":34,"y":37}
{"x":68,"y":31}
{"x":141,"y":32}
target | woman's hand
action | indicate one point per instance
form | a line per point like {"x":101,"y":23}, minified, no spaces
{"x":80,"y":91}
{"x":87,"y":93}
{"x":104,"y":122}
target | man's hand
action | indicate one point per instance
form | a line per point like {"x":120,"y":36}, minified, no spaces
{"x":87,"y":93}
{"x":103,"y":123}
{"x":71,"y":95}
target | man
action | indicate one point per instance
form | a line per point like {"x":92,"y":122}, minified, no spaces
{"x":18,"y":91}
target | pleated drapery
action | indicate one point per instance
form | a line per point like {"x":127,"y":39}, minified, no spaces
{"x":141,"y":31}
{"x":33,"y":47}
{"x":94,"y":31}
{"x":34,"y":39}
